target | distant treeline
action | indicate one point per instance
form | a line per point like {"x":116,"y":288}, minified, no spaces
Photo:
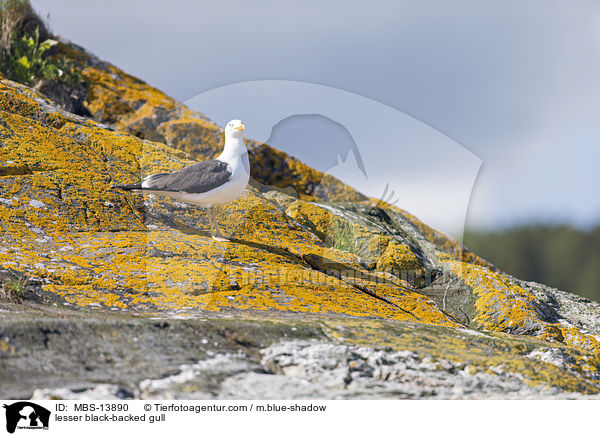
{"x":561,"y":257}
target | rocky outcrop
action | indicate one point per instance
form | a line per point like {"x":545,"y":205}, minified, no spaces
{"x":326,"y":288}
{"x":90,"y":245}
{"x":132,"y":106}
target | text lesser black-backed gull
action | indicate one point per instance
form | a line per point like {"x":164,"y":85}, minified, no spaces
{"x":206,"y":184}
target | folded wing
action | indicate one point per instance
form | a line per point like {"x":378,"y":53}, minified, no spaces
{"x":197,"y":178}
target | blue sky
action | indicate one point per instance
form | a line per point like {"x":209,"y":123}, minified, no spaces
{"x":515,"y":82}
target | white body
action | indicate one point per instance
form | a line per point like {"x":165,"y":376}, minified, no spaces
{"x":235,"y":156}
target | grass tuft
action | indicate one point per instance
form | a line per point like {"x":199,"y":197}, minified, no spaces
{"x":14,"y":287}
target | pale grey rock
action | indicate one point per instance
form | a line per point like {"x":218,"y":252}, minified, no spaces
{"x":323,"y":370}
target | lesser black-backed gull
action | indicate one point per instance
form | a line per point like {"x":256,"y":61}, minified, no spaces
{"x":206,"y":184}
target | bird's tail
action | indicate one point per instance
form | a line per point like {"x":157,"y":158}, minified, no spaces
{"x":128,"y":187}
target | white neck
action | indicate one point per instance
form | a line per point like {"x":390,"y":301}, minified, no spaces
{"x":235,"y":156}
{"x":233,"y":150}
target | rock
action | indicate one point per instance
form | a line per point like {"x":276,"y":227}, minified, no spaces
{"x":130,"y":105}
{"x":69,"y":97}
{"x":320,"y":368}
{"x":323,"y":294}
{"x":112,"y":249}
{"x":98,"y":392}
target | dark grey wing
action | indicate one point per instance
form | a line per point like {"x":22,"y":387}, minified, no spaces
{"x":197,"y":178}
{"x":155,"y":176}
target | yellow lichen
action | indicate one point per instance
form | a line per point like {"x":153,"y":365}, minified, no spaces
{"x":133,"y":106}
{"x":503,"y":306}
{"x":6,"y":348}
{"x":92,"y":247}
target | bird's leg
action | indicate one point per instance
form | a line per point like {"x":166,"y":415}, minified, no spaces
{"x":211,"y":219}
{"x":216,"y":235}
{"x":217,"y":230}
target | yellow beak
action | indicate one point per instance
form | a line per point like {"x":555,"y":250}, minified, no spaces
{"x":240,"y":127}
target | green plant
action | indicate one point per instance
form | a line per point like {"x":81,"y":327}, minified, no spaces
{"x":29,"y":62}
{"x":26,"y":54}
{"x":17,"y":18}
{"x":16,"y":287}
{"x":341,"y":236}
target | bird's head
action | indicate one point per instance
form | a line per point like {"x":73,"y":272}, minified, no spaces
{"x":234,"y":129}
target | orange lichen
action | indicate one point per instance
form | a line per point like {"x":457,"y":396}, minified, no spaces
{"x":398,"y":257}
{"x":503,"y":306}
{"x":133,"y":106}
{"x":94,"y":247}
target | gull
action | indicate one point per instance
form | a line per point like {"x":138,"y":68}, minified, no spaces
{"x":206,"y":184}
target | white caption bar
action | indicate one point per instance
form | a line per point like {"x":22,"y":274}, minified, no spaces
{"x":295,"y":417}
